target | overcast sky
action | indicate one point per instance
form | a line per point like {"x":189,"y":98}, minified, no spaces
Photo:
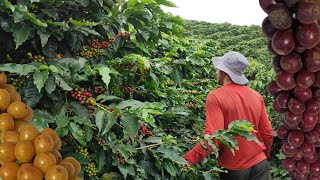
{"x":239,"y":12}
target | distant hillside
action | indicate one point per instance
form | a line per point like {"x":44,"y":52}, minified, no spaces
{"x":221,"y":38}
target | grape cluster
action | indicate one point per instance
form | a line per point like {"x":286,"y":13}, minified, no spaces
{"x":39,"y":58}
{"x":91,"y":169}
{"x":293,"y":32}
{"x":144,"y":131}
{"x":81,"y":96}
{"x":99,"y":89}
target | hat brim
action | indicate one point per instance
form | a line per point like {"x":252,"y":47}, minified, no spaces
{"x":238,"y":79}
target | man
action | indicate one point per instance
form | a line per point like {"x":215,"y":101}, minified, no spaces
{"x":235,"y":101}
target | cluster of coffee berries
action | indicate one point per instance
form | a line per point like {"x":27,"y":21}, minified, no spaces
{"x":83,"y":151}
{"x":123,"y":34}
{"x":81,"y":96}
{"x":190,"y":105}
{"x":169,"y":83}
{"x":58,"y":56}
{"x":39,"y":58}
{"x":126,"y":65}
{"x":99,"y":89}
{"x":91,"y":169}
{"x":144,"y":131}
{"x":99,"y":45}
{"x":96,"y":48}
{"x":128,"y":90}
{"x":121,"y":160}
{"x":18,"y":83}
{"x":185,"y":168}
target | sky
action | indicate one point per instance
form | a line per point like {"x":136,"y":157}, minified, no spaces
{"x":238,"y":12}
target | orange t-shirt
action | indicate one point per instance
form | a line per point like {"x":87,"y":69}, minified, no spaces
{"x":236,"y":102}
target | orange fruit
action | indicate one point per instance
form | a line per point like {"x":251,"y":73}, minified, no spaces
{"x":69,"y":167}
{"x":24,"y":151}
{"x":29,"y":173}
{"x":11,"y":136}
{"x":57,"y":154}
{"x":7,"y":152}
{"x":75,"y":163}
{"x":29,"y":133}
{"x":18,"y":110}
{"x":18,"y":125}
{"x":9,"y":88}
{"x":43,"y":143}
{"x":29,"y":116}
{"x":57,"y":172}
{"x":3,"y":79}
{"x":6,"y":122}
{"x":58,"y":145}
{"x":43,"y":161}
{"x":51,"y":133}
{"x":9,"y":171}
{"x":14,"y":96}
{"x":24,"y":165}
{"x":4,"y":99}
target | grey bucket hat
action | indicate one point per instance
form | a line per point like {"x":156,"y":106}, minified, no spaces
{"x":232,"y":63}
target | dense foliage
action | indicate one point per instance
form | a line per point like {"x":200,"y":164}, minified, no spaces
{"x":124,"y":83}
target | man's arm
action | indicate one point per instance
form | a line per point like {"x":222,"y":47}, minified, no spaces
{"x":214,"y":121}
{"x":265,"y":130}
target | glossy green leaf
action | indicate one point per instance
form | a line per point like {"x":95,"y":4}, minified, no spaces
{"x":40,"y":78}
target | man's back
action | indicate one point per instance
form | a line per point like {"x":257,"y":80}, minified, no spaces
{"x":234,"y":102}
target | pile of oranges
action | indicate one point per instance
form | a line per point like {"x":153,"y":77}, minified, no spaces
{"x":25,"y":152}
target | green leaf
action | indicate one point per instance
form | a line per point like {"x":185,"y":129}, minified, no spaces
{"x":172,"y":170}
{"x":153,"y":140}
{"x":60,"y":82}
{"x":130,"y":125}
{"x":101,"y":159}
{"x":40,"y":78}
{"x":126,"y":169}
{"x":166,"y":3}
{"x":104,"y":98}
{"x":44,"y":36}
{"x":89,"y":133}
{"x":50,"y":85}
{"x":83,"y":3}
{"x":40,"y":114}
{"x":208,"y":175}
{"x":62,"y":121}
{"x":79,"y":23}
{"x":87,"y":31}
{"x":77,"y":133}
{"x":63,"y":131}
{"x":31,"y":94}
{"x":22,"y":69}
{"x":39,"y":124}
{"x":105,"y":120}
{"x":129,"y":103}
{"x":171,"y":153}
{"x":247,"y":135}
{"x":21,"y":32}
{"x":79,"y":110}
{"x":105,"y":73}
{"x":242,"y":125}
